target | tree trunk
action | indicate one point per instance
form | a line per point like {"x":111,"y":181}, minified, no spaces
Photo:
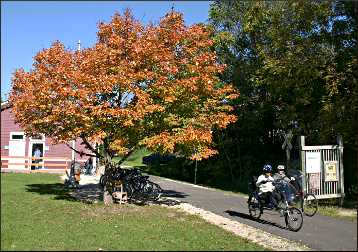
{"x":107,"y":197}
{"x":229,"y":161}
{"x":240,"y":163}
{"x":288,"y":158}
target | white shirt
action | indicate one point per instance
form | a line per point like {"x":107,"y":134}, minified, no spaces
{"x":265,"y":187}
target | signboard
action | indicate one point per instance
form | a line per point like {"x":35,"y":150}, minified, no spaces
{"x":314,"y":182}
{"x":313,"y":162}
{"x":330,"y":170}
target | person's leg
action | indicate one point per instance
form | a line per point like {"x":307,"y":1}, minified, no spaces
{"x":273,"y":197}
{"x":262,"y":199}
{"x":276,"y":198}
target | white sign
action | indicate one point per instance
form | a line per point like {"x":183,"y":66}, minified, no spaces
{"x":313,"y":162}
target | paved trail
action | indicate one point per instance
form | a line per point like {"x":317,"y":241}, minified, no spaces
{"x":318,"y":232}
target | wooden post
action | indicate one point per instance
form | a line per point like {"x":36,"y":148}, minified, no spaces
{"x":29,"y":161}
{"x":196,"y":168}
{"x":341,"y":174}
{"x":303,"y":162}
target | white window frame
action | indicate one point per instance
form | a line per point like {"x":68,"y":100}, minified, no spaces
{"x":38,"y":140}
{"x":12,"y":133}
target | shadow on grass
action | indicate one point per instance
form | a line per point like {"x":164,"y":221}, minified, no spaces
{"x":93,"y":193}
{"x":248,"y":217}
{"x":57,"y":189}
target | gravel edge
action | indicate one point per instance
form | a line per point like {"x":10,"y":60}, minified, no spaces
{"x":263,"y":238}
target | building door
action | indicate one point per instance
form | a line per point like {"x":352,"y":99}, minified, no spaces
{"x":37,"y":150}
{"x":17,"y":150}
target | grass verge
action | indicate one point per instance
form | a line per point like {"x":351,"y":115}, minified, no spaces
{"x":338,"y":212}
{"x":328,"y":207}
{"x":37,"y":213}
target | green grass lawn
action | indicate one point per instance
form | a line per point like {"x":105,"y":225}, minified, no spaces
{"x":38,"y":214}
{"x":135,"y":159}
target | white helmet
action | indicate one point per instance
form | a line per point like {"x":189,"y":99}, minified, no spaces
{"x":280,"y":167}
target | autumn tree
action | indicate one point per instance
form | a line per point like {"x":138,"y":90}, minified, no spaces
{"x":155,"y":86}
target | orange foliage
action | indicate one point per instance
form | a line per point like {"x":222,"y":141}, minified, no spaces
{"x":149,"y":85}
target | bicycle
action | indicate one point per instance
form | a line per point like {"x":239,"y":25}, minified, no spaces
{"x":137,"y":186}
{"x":308,"y":202}
{"x":293,"y":216}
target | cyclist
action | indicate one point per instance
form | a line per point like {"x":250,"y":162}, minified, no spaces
{"x":281,"y":175}
{"x":266,"y":188}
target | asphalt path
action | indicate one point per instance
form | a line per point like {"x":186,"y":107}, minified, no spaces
{"x":318,"y":232}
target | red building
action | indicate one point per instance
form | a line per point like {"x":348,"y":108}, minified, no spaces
{"x":18,"y":150}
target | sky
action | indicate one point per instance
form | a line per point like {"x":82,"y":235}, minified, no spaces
{"x":27,"y":27}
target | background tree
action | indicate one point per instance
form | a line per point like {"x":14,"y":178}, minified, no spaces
{"x":155,"y":86}
{"x":294,"y":63}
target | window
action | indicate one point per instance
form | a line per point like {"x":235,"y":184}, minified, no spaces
{"x":17,"y":136}
{"x":37,"y":137}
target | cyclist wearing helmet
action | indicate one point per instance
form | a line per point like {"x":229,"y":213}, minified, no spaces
{"x":280,"y":174}
{"x":266,"y":188}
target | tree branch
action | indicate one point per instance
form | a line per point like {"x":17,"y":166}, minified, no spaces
{"x":90,"y":147}
{"x":81,"y":152}
{"x":127,"y":155}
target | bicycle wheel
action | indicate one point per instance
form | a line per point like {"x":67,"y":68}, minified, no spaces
{"x":102,"y":180}
{"x":310,"y":205}
{"x":294,"y":219}
{"x":128,"y":188}
{"x":254,"y":208}
{"x":153,"y":190}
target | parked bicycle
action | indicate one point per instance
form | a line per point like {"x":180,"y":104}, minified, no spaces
{"x":293,"y":216}
{"x":137,"y":186}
